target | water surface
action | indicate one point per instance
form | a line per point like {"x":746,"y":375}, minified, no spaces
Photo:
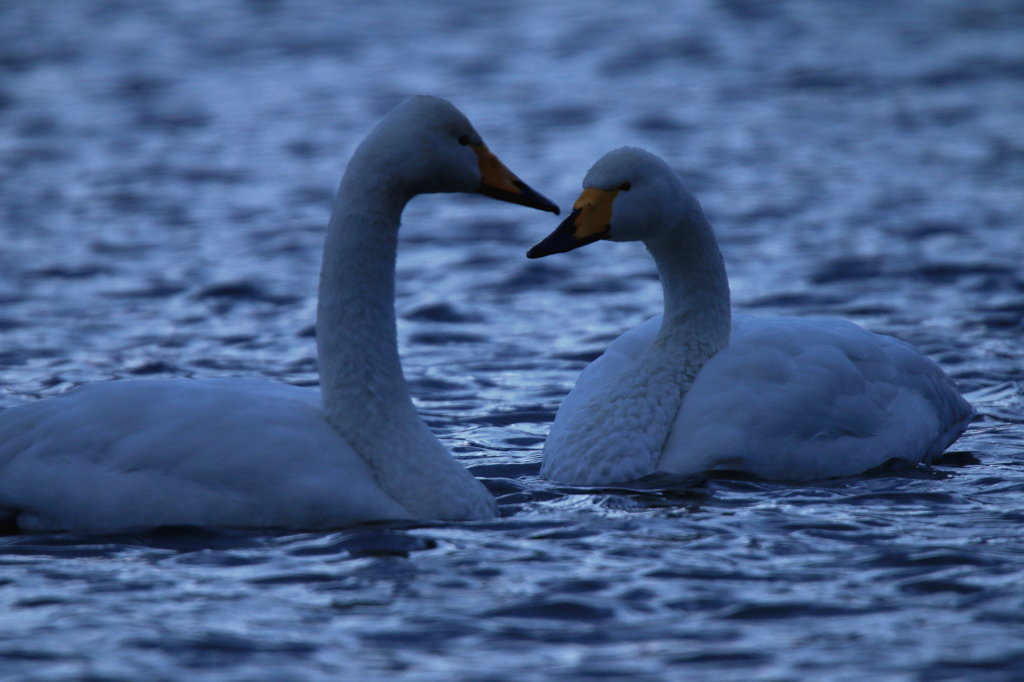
{"x":165,"y":175}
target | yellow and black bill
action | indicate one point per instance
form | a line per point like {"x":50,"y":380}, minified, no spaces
{"x":498,"y":182}
{"x":589,"y":221}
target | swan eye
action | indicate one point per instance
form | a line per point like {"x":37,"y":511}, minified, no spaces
{"x":625,"y":187}
{"x":463,"y":140}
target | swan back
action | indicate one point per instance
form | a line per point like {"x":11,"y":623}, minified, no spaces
{"x":813,"y":397}
{"x":119,"y":455}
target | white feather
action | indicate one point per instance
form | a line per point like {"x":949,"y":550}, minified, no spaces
{"x":780,"y":397}
{"x":215,"y":452}
{"x":238,"y":452}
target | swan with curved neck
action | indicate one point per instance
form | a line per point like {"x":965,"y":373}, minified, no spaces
{"x":698,"y":389}
{"x":248,"y":453}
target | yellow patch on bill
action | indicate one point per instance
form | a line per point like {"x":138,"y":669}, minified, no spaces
{"x":595,"y":212}
{"x":493,"y":172}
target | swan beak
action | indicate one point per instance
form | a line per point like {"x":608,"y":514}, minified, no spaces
{"x":498,"y":182}
{"x":590,"y":220}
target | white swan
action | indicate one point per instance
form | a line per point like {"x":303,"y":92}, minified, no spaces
{"x":236,"y":452}
{"x":691,"y":390}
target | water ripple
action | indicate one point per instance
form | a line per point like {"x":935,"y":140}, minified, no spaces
{"x":166,"y":182}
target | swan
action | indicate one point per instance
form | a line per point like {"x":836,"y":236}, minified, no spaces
{"x":126,"y":455}
{"x":698,"y":389}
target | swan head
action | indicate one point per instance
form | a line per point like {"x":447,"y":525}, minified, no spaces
{"x":428,"y":146}
{"x":628,"y":195}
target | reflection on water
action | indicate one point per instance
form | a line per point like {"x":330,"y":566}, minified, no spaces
{"x":167,"y":170}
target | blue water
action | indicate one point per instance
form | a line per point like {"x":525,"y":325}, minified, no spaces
{"x":165,"y":175}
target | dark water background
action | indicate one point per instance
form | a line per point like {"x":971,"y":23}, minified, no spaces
{"x":165,"y":175}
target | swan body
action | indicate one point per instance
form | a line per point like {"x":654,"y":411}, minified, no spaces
{"x":213,"y":452}
{"x":698,"y":389}
{"x":125,"y":455}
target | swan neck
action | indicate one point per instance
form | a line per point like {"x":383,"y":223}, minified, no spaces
{"x":620,"y":433}
{"x":360,"y":370}
{"x":696,"y":318}
{"x":365,"y":397}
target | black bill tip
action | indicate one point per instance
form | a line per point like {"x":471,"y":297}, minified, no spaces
{"x":526,"y":196}
{"x":563,"y":239}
